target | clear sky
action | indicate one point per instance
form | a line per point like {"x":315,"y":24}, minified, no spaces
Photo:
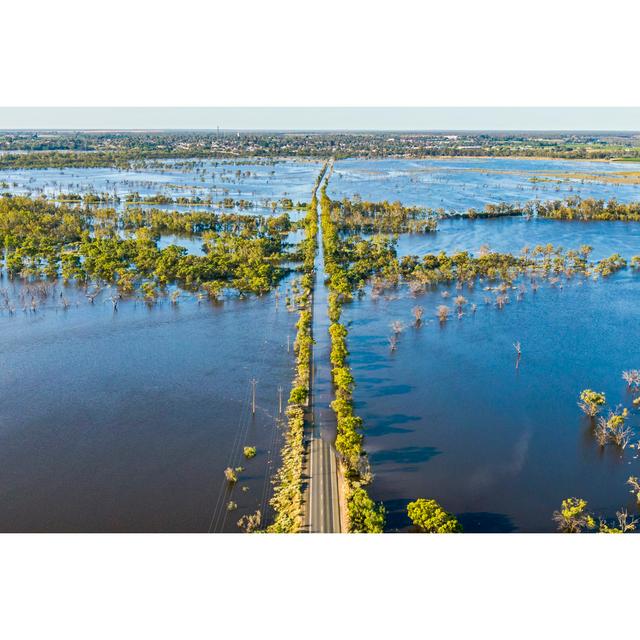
{"x":325,"y":118}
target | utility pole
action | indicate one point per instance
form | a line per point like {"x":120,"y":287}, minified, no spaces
{"x":253,"y":395}
{"x":288,"y":342}
{"x":280,"y":399}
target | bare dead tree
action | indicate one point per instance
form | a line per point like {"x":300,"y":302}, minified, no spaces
{"x":518,"y":347}
{"x":92,"y":295}
{"x":632,"y":378}
{"x":443,"y":313}
{"x":634,"y":482}
{"x":397,"y":327}
{"x":418,"y":312}
{"x":114,"y":299}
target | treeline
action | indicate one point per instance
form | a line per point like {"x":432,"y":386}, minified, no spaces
{"x":105,"y":149}
{"x":160,"y":221}
{"x":542,"y":261}
{"x":357,"y":216}
{"x":134,"y":198}
{"x":287,"y":497}
{"x":589,"y":209}
{"x":343,"y":278}
{"x":574,"y":208}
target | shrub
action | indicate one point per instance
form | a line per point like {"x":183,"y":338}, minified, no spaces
{"x":573,"y":516}
{"x":443,"y":312}
{"x":591,"y":402}
{"x":249,"y":452}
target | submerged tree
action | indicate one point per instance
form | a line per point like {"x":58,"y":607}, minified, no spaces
{"x":518,"y":348}
{"x":443,"y":313}
{"x":251,"y":522}
{"x":632,"y":378}
{"x":591,"y":402}
{"x":625,"y":523}
{"x":430,"y":517}
{"x":573,"y":517}
{"x":613,"y":429}
{"x":418,"y":312}
{"x":397,"y":327}
{"x":634,"y":482}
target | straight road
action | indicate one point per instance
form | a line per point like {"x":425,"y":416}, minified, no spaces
{"x":322,"y":500}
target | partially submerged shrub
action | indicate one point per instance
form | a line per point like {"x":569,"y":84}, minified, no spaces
{"x":614,"y":429}
{"x":251,"y":522}
{"x":397,"y":327}
{"x":634,"y":482}
{"x":591,"y":402}
{"x":443,"y":313}
{"x":573,"y":516}
{"x":249,"y":452}
{"x":230,"y":475}
{"x":632,"y":378}
{"x":625,"y":523}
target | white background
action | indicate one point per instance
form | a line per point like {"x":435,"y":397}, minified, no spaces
{"x":320,"y":53}
{"x":338,"y":53}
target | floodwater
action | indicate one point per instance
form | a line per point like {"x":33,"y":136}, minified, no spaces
{"x":448,"y":415}
{"x":259,"y":182}
{"x":126,"y":421}
{"x":512,"y":234}
{"x":459,"y":184}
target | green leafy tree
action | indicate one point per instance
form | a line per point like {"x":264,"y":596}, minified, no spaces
{"x":364,"y":515}
{"x":591,"y":402}
{"x":573,"y":516}
{"x":430,"y":517}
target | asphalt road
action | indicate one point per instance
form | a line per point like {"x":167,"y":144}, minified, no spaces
{"x":322,"y":497}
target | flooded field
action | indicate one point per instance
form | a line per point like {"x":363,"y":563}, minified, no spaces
{"x":514,"y":234}
{"x":459,"y":184}
{"x":126,"y":421}
{"x":257,"y":182}
{"x":449,"y":415}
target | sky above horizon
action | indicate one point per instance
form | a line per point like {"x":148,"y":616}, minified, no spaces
{"x":325,"y":118}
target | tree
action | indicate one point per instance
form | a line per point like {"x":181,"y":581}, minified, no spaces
{"x":591,"y":402}
{"x":364,"y":515}
{"x":625,"y":523}
{"x":430,"y":517}
{"x":573,"y":517}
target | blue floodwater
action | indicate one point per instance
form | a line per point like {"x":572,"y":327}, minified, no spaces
{"x":449,"y":416}
{"x":459,"y":184}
